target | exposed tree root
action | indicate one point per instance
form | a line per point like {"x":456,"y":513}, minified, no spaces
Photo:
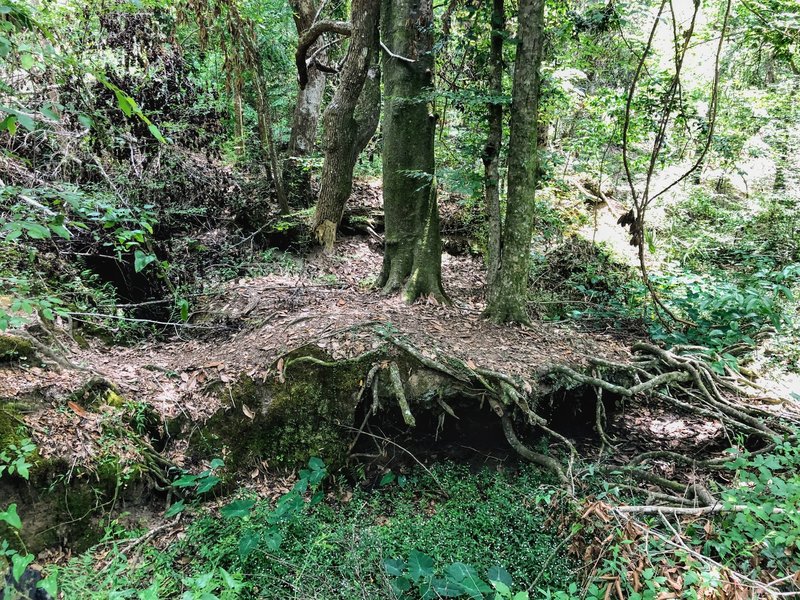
{"x":684,"y":378}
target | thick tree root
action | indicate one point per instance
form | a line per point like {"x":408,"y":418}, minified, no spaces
{"x":416,"y":382}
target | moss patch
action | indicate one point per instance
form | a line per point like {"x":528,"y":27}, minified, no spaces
{"x":15,"y":349}
{"x":305,"y":415}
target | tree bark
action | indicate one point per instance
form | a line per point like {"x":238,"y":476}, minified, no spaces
{"x":310,"y":95}
{"x":494,"y":142}
{"x":508,"y":296}
{"x":309,"y":98}
{"x":350,"y":120}
{"x":412,"y":257}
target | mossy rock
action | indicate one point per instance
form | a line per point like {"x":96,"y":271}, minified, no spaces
{"x":15,"y":349}
{"x":307,"y":414}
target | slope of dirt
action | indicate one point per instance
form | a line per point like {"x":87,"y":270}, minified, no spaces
{"x":250,"y":323}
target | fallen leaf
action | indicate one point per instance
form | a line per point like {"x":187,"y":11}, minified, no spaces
{"x":247,"y":412}
{"x":77,"y":409}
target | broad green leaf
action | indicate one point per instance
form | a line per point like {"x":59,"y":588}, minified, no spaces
{"x":60,"y":231}
{"x":419,"y":565}
{"x":401,"y":585}
{"x":141,"y":260}
{"x":230,"y":581}
{"x":11,"y":517}
{"x":394,"y":566}
{"x":26,"y":121}
{"x":273,"y":539}
{"x":27,"y":61}
{"x":387,"y":478}
{"x":500,"y":574}
{"x":247,"y":543}
{"x":156,"y":133}
{"x":20,"y":562}
{"x":207,"y":483}
{"x":36,"y":231}
{"x":446,"y":588}
{"x":175,"y":509}
{"x":238,"y":508}
{"x":217,"y":463}
{"x":50,"y":585}
{"x":187,"y":480}
{"x":316,"y":464}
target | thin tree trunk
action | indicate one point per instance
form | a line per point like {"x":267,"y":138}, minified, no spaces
{"x":238,"y":114}
{"x":508,"y":298}
{"x":268,"y":141}
{"x":494,"y":142}
{"x":350,"y":120}
{"x":412,"y":256}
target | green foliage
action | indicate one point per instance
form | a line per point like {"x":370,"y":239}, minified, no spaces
{"x":14,"y":461}
{"x":418,"y":578}
{"x":727,"y":310}
{"x":765,"y":532}
{"x":312,"y":546}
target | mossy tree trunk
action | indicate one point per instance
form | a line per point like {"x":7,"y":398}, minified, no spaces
{"x":508,"y":294}
{"x":494,"y":141}
{"x":412,"y":257}
{"x":350,"y":120}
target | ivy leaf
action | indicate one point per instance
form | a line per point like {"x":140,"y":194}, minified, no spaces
{"x":49,"y":584}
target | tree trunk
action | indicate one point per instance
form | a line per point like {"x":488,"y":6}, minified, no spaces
{"x":507,"y":299}
{"x":413,"y":247}
{"x":303,"y":134}
{"x":494,"y":141}
{"x":309,"y":98}
{"x":350,"y":120}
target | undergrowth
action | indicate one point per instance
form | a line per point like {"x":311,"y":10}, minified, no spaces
{"x":337,"y":548}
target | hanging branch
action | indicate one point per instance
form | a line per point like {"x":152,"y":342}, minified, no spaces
{"x":636,"y":218}
{"x":307,"y":40}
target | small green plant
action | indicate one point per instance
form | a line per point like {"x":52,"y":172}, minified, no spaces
{"x":198,"y":485}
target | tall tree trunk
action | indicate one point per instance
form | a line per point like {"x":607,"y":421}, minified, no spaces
{"x":508,"y":298}
{"x":412,"y":256}
{"x":309,"y":98}
{"x":350,"y":120}
{"x":303,"y":134}
{"x":494,"y":141}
